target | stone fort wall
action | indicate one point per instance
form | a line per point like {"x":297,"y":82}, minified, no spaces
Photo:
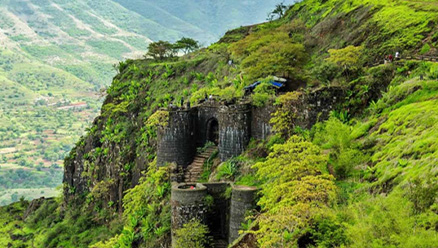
{"x":189,"y":129}
{"x":237,"y":124}
{"x":223,"y":217}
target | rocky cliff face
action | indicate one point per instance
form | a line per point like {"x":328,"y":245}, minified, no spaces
{"x":111,"y":157}
{"x":107,"y":168}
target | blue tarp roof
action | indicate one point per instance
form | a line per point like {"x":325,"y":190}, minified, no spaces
{"x":277,"y":84}
{"x":273,"y":83}
{"x":252,"y":86}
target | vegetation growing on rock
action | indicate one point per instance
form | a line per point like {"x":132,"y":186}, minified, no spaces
{"x":364,"y":177}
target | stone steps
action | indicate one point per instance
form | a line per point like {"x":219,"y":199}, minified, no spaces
{"x":218,"y":243}
{"x":194,"y":170}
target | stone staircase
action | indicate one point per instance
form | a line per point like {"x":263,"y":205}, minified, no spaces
{"x":219,"y":243}
{"x":194,"y":170}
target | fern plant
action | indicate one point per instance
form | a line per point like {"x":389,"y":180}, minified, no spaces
{"x":227,"y":170}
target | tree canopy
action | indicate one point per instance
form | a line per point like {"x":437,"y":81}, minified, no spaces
{"x":279,"y":11}
{"x":160,"y":50}
{"x":164,"y":49}
{"x":187,"y":45}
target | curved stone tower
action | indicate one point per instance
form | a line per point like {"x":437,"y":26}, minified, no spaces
{"x":242,"y":200}
{"x":188,"y":203}
{"x":176,"y":140}
{"x":234,"y":130}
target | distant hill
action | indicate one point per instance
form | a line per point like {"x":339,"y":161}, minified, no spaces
{"x":205,"y":20}
{"x":56,"y":55}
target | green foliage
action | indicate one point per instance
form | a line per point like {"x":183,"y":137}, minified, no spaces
{"x":187,"y":45}
{"x":402,"y":25}
{"x":271,"y":55}
{"x":422,"y":192}
{"x":425,"y":49}
{"x":159,"y":118}
{"x":386,"y":153}
{"x":326,"y":72}
{"x":337,"y":136}
{"x":262,"y":94}
{"x":228,"y":170}
{"x":47,"y":226}
{"x":207,"y":168}
{"x":163,"y":49}
{"x":246,"y":226}
{"x":388,"y":222}
{"x":295,"y":190}
{"x":209,"y":201}
{"x":349,"y":59}
{"x":327,"y":231}
{"x":342,"y":115}
{"x":160,"y":50}
{"x":283,"y":119}
{"x":412,"y":116}
{"x":393,"y":149}
{"x":248,"y":180}
{"x":145,"y":209}
{"x":193,"y":234}
{"x":279,"y":11}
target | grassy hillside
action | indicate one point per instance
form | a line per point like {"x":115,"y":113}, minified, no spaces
{"x":56,"y":56}
{"x":365,"y":177}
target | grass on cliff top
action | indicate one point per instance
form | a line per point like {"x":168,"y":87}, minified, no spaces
{"x":400,"y":24}
{"x":386,"y":166}
{"x":400,"y":132}
{"x":407,"y":138}
{"x":401,"y":171}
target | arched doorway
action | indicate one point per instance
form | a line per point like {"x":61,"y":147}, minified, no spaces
{"x":213,"y":131}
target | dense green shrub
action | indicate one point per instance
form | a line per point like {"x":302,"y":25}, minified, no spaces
{"x":349,"y":60}
{"x":283,"y":119}
{"x":389,"y":222}
{"x":295,"y":190}
{"x":325,"y":72}
{"x":262,"y":94}
{"x":269,"y":53}
{"x":228,"y":170}
{"x":193,"y":234}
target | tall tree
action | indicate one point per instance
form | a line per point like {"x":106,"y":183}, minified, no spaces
{"x":279,"y":11}
{"x":187,"y":45}
{"x":160,"y":50}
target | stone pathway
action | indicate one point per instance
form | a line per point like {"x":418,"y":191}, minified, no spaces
{"x":194,"y":170}
{"x":416,"y":57}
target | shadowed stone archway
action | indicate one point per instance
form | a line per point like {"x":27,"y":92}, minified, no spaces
{"x":213,"y":131}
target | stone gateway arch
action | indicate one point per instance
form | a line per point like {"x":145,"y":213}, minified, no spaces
{"x":230,"y":127}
